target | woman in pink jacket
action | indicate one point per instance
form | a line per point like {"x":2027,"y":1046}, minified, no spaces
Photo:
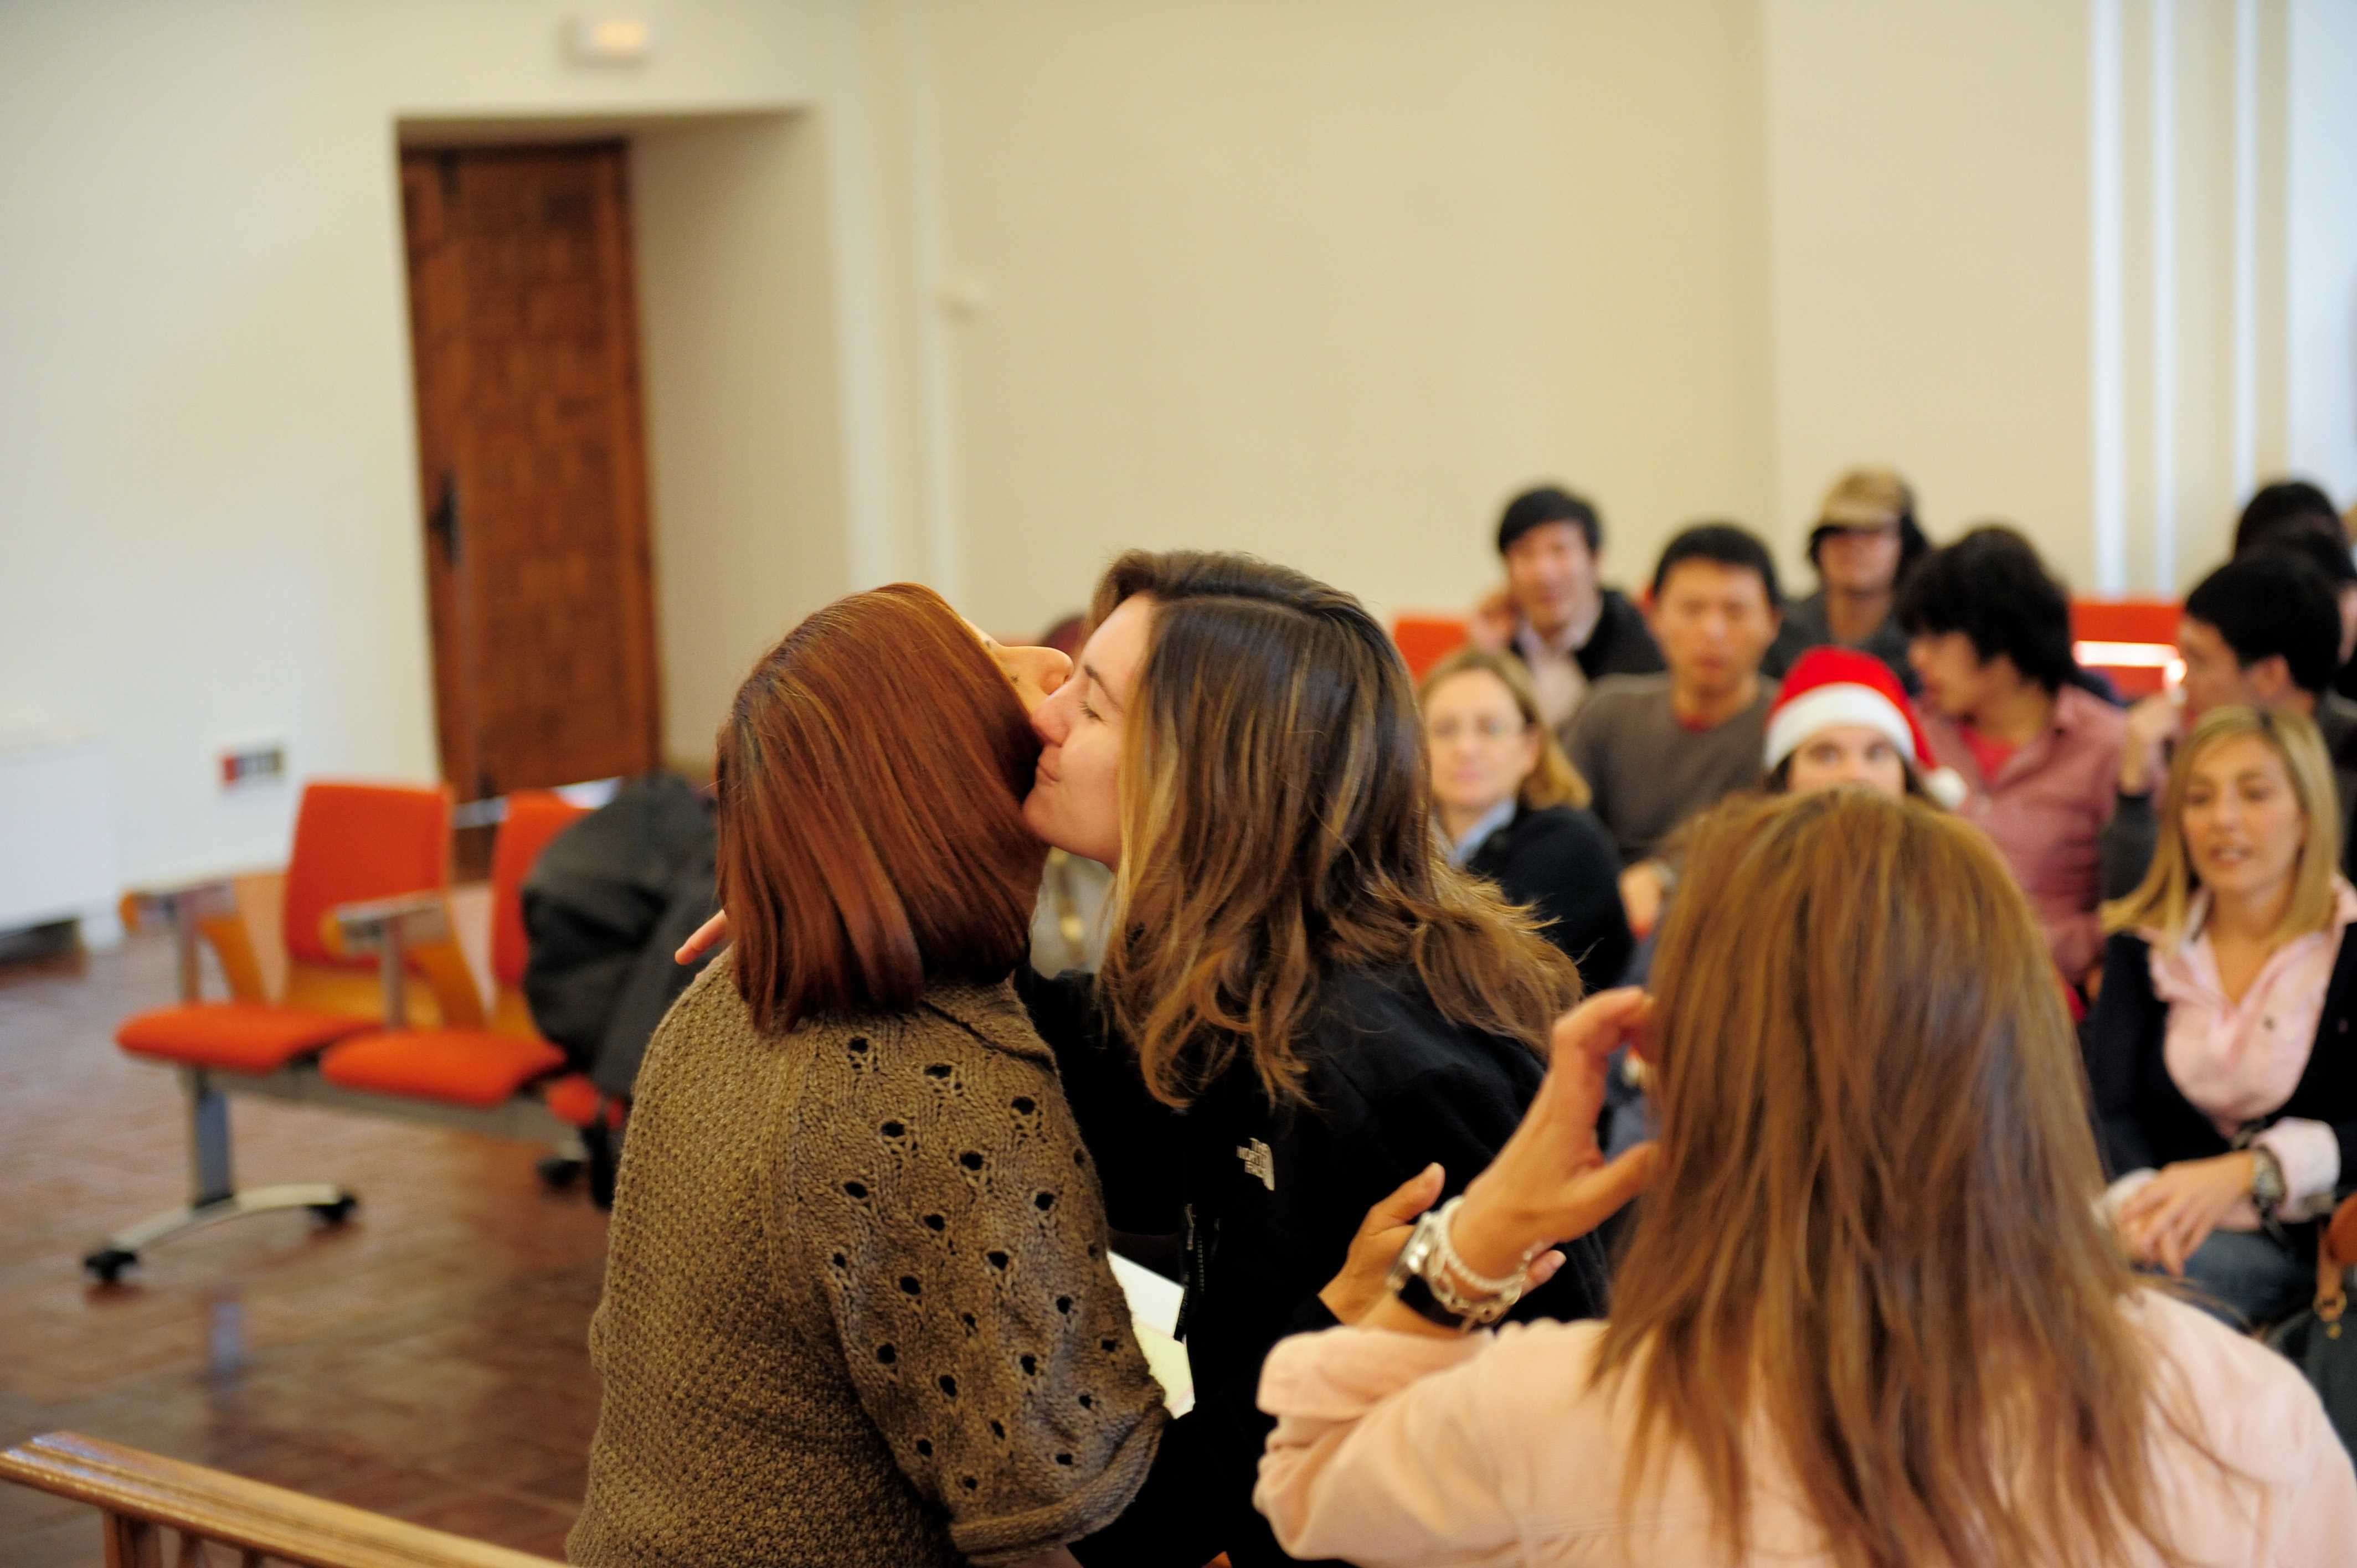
{"x":1868,"y":1316}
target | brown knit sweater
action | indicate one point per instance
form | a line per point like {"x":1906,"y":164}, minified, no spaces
{"x":857,"y":1304}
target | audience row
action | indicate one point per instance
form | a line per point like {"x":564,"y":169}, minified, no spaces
{"x":860,"y":1304}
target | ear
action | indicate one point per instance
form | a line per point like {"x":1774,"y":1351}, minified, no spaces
{"x":2270,"y":679}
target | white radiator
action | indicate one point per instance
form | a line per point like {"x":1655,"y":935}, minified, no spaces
{"x":56,"y":834}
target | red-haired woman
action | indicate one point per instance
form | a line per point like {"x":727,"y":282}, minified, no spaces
{"x":858,"y":1306}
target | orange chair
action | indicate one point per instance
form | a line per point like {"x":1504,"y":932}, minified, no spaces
{"x":352,"y":842}
{"x":1425,"y":639}
{"x":2133,"y":642}
{"x":502,"y":1077}
{"x":479,"y":1066}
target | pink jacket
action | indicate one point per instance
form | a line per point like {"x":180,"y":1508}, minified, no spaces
{"x":1393,"y":1449}
{"x":2046,"y":809}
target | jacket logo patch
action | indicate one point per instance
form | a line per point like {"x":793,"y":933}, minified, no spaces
{"x":1260,"y":1163}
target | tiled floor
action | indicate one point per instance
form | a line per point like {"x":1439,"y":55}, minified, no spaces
{"x":428,"y":1360}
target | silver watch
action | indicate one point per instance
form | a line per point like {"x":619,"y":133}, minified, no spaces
{"x":1426,"y":1286}
{"x":2267,"y":1189}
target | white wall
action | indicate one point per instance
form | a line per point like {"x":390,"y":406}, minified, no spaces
{"x":205,"y":416}
{"x":1927,"y":193}
{"x":2323,"y":329}
{"x":736,"y":310}
{"x":1330,"y":279}
{"x":980,"y":290}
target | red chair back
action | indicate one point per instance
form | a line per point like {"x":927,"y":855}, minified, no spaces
{"x":2133,"y":642}
{"x":534,"y":817}
{"x":357,"y":842}
{"x":1425,"y":639}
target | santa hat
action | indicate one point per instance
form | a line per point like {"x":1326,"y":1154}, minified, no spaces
{"x":1834,"y":686}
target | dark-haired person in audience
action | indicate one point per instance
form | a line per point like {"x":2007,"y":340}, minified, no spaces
{"x":1868,"y":1316}
{"x":1989,"y":633}
{"x":1655,"y":749}
{"x":2299,"y":514}
{"x":2283,"y":505}
{"x":2219,"y":1056}
{"x":1865,"y":542}
{"x":1555,"y":615}
{"x":2326,"y":550}
{"x":1513,"y":809}
{"x":857,"y":1304}
{"x":2262,"y":631}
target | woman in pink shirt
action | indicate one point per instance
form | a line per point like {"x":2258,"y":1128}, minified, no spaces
{"x":1868,"y":1316}
{"x":2220,"y":1055}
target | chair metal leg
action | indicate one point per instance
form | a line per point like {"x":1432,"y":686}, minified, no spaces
{"x":213,"y":1194}
{"x":563,"y":1163}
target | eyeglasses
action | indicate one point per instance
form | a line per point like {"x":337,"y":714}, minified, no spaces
{"x":1480,"y":729}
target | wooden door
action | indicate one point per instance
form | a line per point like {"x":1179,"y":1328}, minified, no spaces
{"x":533,"y":468}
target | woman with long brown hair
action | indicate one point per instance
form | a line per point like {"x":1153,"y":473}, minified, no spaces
{"x":1310,"y":1012}
{"x":858,"y":1307}
{"x":1868,"y":1317}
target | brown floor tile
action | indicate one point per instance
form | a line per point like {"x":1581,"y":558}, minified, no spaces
{"x":429,"y":1359}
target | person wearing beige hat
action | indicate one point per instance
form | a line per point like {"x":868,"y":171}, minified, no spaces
{"x":1865,"y":538}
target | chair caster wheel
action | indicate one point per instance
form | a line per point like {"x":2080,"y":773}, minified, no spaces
{"x":106,"y":1264}
{"x":558,"y":1172}
{"x":336,"y":1213}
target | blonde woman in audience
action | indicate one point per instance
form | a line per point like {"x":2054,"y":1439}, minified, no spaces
{"x":1513,"y":810}
{"x":2220,"y":1055}
{"x":1868,"y":1317}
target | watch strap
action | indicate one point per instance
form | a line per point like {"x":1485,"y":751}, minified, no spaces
{"x":1415,"y":1293}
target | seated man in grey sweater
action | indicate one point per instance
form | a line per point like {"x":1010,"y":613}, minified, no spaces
{"x":1655,"y":749}
{"x":2263,"y":631}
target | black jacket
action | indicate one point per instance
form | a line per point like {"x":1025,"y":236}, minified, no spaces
{"x":1561,"y":863}
{"x":607,"y":904}
{"x":1269,"y":1198}
{"x":1805,"y":626}
{"x":1622,"y":644}
{"x":2144,"y":1122}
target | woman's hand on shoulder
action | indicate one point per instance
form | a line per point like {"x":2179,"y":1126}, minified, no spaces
{"x":707,"y":937}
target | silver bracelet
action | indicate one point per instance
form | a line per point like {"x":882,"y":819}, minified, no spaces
{"x":1444,"y":1244}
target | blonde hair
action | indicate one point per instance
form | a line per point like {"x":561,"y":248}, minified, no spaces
{"x":1277,"y":827}
{"x":2164,"y":899}
{"x":1871,"y":1234}
{"x":1552,"y":780}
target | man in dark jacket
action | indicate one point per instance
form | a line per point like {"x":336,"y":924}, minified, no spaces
{"x":1556,"y":615}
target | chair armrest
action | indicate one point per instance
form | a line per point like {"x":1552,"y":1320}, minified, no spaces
{"x":391,"y":929}
{"x":202,"y":910}
{"x":407,"y":920}
{"x":150,"y":907}
{"x":408,"y":933}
